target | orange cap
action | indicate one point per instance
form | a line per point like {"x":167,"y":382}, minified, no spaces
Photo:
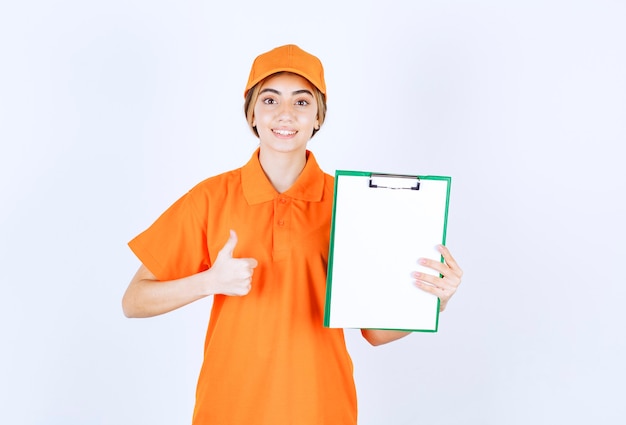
{"x":289,"y":58}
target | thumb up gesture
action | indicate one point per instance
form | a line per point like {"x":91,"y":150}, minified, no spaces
{"x":232,"y":276}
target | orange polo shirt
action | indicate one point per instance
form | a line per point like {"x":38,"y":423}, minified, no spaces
{"x":268,"y":360}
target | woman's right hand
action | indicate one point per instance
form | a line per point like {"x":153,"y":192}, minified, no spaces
{"x":146,"y":296}
{"x":230,"y":275}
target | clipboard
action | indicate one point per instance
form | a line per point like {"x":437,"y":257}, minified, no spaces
{"x":381,"y":225}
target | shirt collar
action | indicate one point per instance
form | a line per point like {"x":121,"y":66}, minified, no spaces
{"x":257,"y":188}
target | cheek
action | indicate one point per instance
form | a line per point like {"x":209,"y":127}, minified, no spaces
{"x":309,"y":119}
{"x":259,"y":116}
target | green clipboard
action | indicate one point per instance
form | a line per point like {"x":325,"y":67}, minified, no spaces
{"x":381,"y":224}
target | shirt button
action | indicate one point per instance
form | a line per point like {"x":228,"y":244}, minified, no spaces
{"x":281,"y":222}
{"x":282,"y":201}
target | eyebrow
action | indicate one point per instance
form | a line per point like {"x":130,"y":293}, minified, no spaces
{"x":294,"y":93}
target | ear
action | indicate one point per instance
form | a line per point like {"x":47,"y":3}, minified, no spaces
{"x":316,"y":126}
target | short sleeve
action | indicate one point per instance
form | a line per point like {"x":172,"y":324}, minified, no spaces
{"x":175,"y":245}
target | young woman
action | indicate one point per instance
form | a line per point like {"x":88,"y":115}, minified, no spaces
{"x":256,"y":238}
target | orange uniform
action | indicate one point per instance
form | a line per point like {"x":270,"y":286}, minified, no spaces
{"x":268,"y":359}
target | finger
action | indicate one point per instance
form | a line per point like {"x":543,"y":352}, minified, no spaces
{"x":230,"y":244}
{"x":450,"y":261}
{"x":246,"y":266}
{"x":431,"y":288}
{"x":444,"y":284}
{"x":428,"y":279}
{"x":435,"y":265}
{"x":437,"y":287}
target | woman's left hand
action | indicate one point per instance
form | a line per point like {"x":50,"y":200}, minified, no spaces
{"x":448,"y":281}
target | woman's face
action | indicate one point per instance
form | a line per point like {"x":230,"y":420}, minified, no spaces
{"x":285,"y":113}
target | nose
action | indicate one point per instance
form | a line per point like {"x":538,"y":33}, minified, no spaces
{"x":285,"y":112}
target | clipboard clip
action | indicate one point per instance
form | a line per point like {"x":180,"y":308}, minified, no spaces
{"x":394,"y":181}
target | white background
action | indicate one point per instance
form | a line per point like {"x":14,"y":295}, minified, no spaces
{"x":109,"y":111}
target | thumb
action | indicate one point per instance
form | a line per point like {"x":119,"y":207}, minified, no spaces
{"x":230,"y":244}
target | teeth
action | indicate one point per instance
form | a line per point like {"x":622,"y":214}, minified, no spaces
{"x":285,"y":132}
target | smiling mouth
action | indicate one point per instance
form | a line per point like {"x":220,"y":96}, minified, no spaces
{"x":284,"y":132}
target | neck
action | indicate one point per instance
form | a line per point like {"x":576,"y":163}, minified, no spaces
{"x":282,"y":170}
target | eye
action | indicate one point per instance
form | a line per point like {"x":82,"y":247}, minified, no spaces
{"x":302,"y":102}
{"x":269,"y":101}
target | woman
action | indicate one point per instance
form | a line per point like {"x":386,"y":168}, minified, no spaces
{"x":256,"y":238}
